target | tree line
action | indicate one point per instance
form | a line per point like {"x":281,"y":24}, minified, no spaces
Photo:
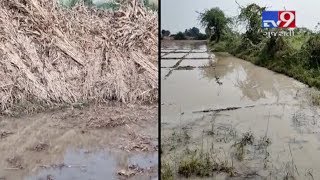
{"x":192,"y":33}
{"x":297,"y":56}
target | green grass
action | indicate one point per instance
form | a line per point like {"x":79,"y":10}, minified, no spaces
{"x":202,"y":164}
{"x":166,"y":172}
{"x":296,"y":42}
{"x":315,"y":98}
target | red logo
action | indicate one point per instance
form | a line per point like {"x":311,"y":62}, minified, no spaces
{"x":287,"y":19}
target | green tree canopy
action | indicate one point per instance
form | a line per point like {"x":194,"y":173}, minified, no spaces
{"x":192,"y":32}
{"x":251,"y":15}
{"x":180,"y":36}
{"x":215,"y":22}
{"x":165,"y":32}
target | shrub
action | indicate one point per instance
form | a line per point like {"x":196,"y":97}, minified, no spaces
{"x":179,"y":36}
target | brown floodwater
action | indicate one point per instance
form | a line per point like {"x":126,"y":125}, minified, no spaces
{"x":81,"y":164}
{"x":247,"y":98}
{"x":87,"y":143}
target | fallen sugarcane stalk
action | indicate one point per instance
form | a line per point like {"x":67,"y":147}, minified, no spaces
{"x":12,"y":168}
{"x":222,"y":109}
{"x":61,"y":166}
{"x":51,"y":56}
{"x":217,"y":110}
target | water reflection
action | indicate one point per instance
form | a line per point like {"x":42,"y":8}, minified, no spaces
{"x":254,"y":82}
{"x":81,"y":164}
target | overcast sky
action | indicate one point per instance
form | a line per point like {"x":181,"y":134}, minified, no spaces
{"x":178,"y":15}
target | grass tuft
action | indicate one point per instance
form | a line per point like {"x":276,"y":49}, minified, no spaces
{"x":202,"y":164}
{"x":166,"y":172}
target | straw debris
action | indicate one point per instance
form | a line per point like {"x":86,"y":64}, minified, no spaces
{"x":52,"y":56}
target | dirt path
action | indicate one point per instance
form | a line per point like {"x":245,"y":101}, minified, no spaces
{"x":251,"y":122}
{"x":94,"y":142}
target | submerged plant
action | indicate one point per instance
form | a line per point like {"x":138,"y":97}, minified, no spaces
{"x":166,"y":172}
{"x":315,"y":98}
{"x":247,"y":139}
{"x":203,"y":164}
{"x":196,"y":164}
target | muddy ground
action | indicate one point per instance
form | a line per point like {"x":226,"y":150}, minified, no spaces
{"x":97,"y":142}
{"x":224,"y":117}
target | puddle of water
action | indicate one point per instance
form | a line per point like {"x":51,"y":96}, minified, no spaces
{"x":80,"y":164}
{"x":232,"y":82}
{"x":164,"y":72}
{"x":144,"y":161}
{"x":174,"y":55}
{"x":273,"y":101}
{"x":198,"y":55}
{"x":183,"y":50}
{"x":199,"y":50}
{"x":164,"y":51}
{"x":168,"y":62}
{"x":196,"y":63}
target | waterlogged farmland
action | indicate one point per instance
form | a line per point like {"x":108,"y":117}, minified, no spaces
{"x":78,"y":90}
{"x":225,"y":117}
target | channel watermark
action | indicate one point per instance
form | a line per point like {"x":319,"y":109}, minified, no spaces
{"x":281,"y":33}
{"x":278,"y":23}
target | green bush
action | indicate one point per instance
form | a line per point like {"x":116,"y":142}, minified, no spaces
{"x":312,"y":48}
{"x":166,"y":172}
{"x":297,"y":56}
{"x":180,"y":36}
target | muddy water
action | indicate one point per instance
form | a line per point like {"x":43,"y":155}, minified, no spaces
{"x":81,"y":164}
{"x":95,"y":142}
{"x":229,"y":93}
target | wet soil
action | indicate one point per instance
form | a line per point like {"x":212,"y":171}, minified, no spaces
{"x":210,"y":109}
{"x":97,"y":142}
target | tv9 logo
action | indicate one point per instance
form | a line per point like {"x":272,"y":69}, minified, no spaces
{"x":278,"y":19}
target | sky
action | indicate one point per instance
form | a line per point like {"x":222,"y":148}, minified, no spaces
{"x":178,"y":15}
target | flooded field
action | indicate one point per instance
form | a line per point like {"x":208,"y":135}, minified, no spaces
{"x":225,"y":117}
{"x":96,"y":143}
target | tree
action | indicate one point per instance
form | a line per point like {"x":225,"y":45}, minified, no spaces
{"x":215,"y":22}
{"x":165,"y":33}
{"x":192,"y":32}
{"x":251,"y":15}
{"x":312,"y":47}
{"x":201,"y":36}
{"x":180,"y":36}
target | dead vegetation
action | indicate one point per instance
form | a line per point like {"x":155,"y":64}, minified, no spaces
{"x":4,"y":134}
{"x":138,"y":142}
{"x":15,"y":162}
{"x":52,"y":56}
{"x":39,"y":147}
{"x":130,"y":171}
{"x":185,"y":68}
{"x":96,"y":122}
{"x":103,"y":117}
